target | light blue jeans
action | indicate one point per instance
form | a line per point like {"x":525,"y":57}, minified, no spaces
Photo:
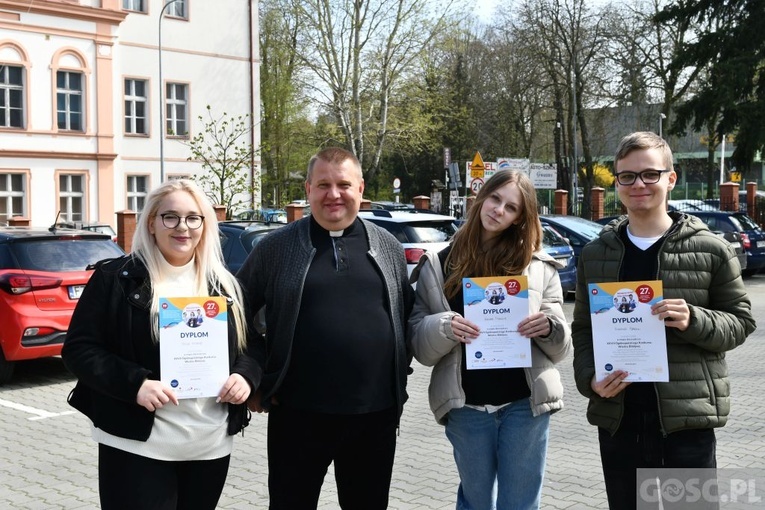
{"x":500,"y":456}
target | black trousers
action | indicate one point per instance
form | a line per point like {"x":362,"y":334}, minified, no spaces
{"x":128,"y":482}
{"x":640,"y":444}
{"x":302,"y":444}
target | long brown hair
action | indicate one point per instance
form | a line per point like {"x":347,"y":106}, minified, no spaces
{"x":511,"y":252}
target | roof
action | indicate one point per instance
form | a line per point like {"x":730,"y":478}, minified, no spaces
{"x":404,"y":216}
{"x":33,"y":232}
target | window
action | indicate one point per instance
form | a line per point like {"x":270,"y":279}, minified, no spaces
{"x":135,"y":107}
{"x":12,"y":188}
{"x":11,"y":96}
{"x":177,"y":9}
{"x":136,"y":192}
{"x":69,"y":102}
{"x":134,"y":5}
{"x":176,"y":107}
{"x":71,"y":198}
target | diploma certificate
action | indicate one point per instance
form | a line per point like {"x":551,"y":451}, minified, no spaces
{"x":625,"y":335}
{"x":193,"y":345}
{"x":497,"y":304}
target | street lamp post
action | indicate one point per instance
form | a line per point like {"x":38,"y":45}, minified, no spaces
{"x":161,"y":95}
{"x":661,"y":122}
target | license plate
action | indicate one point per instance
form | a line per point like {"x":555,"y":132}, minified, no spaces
{"x":75,"y":291}
{"x":761,"y":244}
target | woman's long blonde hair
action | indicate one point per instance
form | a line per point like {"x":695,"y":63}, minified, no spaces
{"x":511,"y":252}
{"x":211,"y":273}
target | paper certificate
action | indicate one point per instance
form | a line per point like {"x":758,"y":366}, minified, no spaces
{"x":625,"y":335}
{"x":193,"y":345}
{"x":496,"y":304}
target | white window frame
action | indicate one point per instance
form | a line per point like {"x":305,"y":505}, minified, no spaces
{"x":6,"y":88}
{"x":176,"y":125}
{"x":136,"y":198}
{"x":9,"y":194}
{"x":68,"y":93}
{"x":67,"y":194}
{"x":134,"y":5}
{"x":132,"y":101}
{"x":177,"y":10}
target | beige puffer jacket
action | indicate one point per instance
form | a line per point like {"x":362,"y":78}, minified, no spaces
{"x":435,"y":344}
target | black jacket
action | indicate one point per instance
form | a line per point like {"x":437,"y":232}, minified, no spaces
{"x":110,"y":350}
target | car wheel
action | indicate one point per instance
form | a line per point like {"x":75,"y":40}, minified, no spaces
{"x":6,"y":369}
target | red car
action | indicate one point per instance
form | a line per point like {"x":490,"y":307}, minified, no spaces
{"x":42,"y":274}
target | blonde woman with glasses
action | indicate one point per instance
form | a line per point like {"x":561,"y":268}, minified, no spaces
{"x":156,"y":451}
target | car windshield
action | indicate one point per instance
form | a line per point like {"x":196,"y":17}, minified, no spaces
{"x":252,"y":238}
{"x":747,"y":223}
{"x":586,"y":229}
{"x":430,"y":231}
{"x":552,"y":238}
{"x":62,"y":255}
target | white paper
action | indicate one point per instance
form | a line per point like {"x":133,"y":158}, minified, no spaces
{"x":625,"y":335}
{"x":193,"y":345}
{"x":496,"y":305}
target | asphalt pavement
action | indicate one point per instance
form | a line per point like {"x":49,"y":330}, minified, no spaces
{"x":48,"y":460}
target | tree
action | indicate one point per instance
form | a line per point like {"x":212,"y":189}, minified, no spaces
{"x":224,"y":150}
{"x":731,"y":46}
{"x":358,"y":52}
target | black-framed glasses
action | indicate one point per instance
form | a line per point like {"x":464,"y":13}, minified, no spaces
{"x":192,"y":221}
{"x":628,"y":178}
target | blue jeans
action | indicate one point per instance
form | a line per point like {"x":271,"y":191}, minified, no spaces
{"x":500,"y":456}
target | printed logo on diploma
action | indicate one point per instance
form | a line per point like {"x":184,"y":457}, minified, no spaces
{"x":625,"y":334}
{"x":496,"y":304}
{"x":193,"y":345}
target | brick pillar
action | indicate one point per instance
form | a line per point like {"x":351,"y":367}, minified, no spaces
{"x":220,"y":212}
{"x":597,"y":202}
{"x":561,"y":202}
{"x":294,"y":212}
{"x":751,"y":199}
{"x":729,"y":196}
{"x":366,"y":204}
{"x":18,"y":221}
{"x":421,"y":202}
{"x":126,"y":222}
{"x":469,"y":202}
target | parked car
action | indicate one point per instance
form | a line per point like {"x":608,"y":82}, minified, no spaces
{"x":238,"y":238}
{"x":103,"y":228}
{"x":559,"y":248}
{"x":267,"y":215}
{"x":391,"y":206}
{"x":752,"y":236}
{"x":734,"y":238}
{"x":578,"y":231}
{"x":42,"y":274}
{"x":690,"y":205}
{"x":418,"y":232}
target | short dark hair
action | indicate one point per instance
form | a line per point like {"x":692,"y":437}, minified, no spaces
{"x":643,"y":140}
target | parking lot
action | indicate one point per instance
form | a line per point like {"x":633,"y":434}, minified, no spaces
{"x":47,"y":459}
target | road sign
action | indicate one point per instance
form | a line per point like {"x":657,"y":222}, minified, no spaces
{"x":475,"y":185}
{"x":396,"y":182}
{"x":477,"y":167}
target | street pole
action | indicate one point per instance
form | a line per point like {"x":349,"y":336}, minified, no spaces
{"x":661,"y":122}
{"x":162,"y":96}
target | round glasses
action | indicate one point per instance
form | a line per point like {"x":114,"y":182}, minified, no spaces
{"x":647,"y":176}
{"x":192,"y":221}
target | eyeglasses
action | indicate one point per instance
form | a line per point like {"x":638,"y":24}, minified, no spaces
{"x":193,"y":221}
{"x":647,"y":176}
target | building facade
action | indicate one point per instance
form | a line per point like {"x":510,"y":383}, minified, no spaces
{"x":82,"y":99}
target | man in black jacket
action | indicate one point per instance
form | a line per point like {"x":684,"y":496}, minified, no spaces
{"x":334,"y":356}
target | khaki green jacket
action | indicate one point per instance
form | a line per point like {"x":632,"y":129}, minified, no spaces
{"x":698,"y":266}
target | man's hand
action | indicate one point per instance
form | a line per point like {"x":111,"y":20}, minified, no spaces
{"x":674,"y":312}
{"x":612,"y":385}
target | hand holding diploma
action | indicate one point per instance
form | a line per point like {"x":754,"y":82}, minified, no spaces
{"x":153,"y":395}
{"x":236,"y":390}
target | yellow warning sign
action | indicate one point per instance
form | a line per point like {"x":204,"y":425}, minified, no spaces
{"x":477,"y":167}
